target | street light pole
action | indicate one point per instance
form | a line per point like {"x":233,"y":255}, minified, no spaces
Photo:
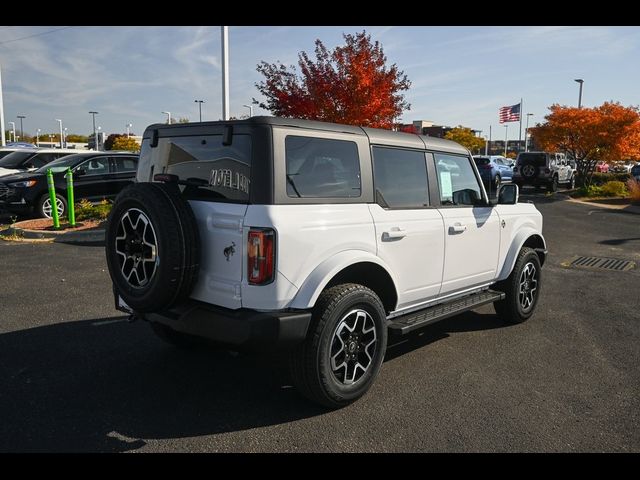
{"x":225,"y":72}
{"x":61,"y":133}
{"x":13,"y":130}
{"x":506,"y":128}
{"x":95,"y":135}
{"x":199,"y":102}
{"x":129,"y":125}
{"x":250,"y":107}
{"x":168,"y":114}
{"x":580,"y":81}
{"x":38,"y":137}
{"x":21,"y":129}
{"x":526,"y":133}
{"x":64,"y":137}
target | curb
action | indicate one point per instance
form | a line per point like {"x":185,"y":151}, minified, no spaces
{"x":82,"y":237}
{"x":633,"y":209}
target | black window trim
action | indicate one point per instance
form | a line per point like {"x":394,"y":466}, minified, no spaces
{"x":425,"y":154}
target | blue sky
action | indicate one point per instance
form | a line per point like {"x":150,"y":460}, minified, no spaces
{"x":460,"y":75}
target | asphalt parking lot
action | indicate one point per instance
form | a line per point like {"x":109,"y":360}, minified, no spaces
{"x":77,"y":377}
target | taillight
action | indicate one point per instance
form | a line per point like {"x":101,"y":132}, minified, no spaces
{"x":260,"y":255}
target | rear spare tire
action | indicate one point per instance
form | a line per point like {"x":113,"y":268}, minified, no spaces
{"x":152,"y":246}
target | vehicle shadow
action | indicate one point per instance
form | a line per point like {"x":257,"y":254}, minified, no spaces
{"x":104,"y":385}
{"x":619,"y":241}
{"x":467,"y":322}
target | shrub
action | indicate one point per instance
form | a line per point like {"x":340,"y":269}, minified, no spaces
{"x":590,"y":191}
{"x":602,"y":178}
{"x":634,"y":189}
{"x":85,"y":210}
{"x":614,"y":189}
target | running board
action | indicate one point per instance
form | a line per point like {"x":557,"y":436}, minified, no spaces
{"x":413,"y":321}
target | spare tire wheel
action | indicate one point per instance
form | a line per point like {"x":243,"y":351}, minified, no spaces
{"x":529,"y":170}
{"x":152,"y":246}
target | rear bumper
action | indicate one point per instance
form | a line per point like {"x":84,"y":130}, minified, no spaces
{"x":520,"y":180}
{"x":243,"y":329}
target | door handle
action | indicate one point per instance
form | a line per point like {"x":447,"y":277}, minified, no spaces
{"x":457,"y":228}
{"x":394,"y":233}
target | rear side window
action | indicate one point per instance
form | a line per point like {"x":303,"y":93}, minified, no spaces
{"x":400,"y":178}
{"x":125,"y":164}
{"x":481,"y":161}
{"x":214,"y":171}
{"x":321,"y":168}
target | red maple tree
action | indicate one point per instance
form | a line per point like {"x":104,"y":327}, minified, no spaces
{"x":351,"y":85}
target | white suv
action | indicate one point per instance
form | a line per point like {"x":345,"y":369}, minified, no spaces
{"x":319,"y":238}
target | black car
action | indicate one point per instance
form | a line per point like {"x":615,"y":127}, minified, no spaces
{"x":96,"y":176}
{"x":29,"y":159}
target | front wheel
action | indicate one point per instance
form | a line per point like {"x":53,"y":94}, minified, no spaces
{"x":344,"y":348}
{"x":553,"y":186}
{"x":572,"y":182}
{"x":522,"y":288}
{"x":44,"y":210}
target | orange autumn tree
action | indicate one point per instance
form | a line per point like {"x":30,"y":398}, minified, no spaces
{"x":351,"y":85}
{"x":608,"y":132}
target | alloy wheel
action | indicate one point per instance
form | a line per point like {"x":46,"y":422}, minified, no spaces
{"x":352,"y":346}
{"x":137,"y":248}
{"x":528,"y":286}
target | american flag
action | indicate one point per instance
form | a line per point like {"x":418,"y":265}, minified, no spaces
{"x":510,"y":113}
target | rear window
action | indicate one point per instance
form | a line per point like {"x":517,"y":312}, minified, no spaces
{"x":321,"y":168}
{"x":537,"y":159}
{"x":481,"y":160}
{"x":214,"y":171}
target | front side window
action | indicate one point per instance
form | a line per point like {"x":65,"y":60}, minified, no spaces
{"x":400,"y":178}
{"x":95,"y":166}
{"x":457,"y":181}
{"x":321,"y":168}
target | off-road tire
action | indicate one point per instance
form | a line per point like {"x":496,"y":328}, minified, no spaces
{"x":511,"y":309}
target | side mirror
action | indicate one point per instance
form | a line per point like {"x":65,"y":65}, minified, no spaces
{"x":80,"y":171}
{"x":508,"y":194}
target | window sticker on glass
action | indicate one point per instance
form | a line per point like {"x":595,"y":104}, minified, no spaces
{"x":445,"y":185}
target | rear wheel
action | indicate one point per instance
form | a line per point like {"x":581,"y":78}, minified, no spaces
{"x":496,"y":183}
{"x":553,"y":186}
{"x":572,"y":182}
{"x":522,"y":288}
{"x":344,"y":349}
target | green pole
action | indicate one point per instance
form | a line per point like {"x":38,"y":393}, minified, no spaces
{"x":52,"y":199}
{"x":72,"y":210}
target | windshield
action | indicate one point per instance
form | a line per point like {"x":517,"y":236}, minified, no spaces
{"x":15,"y":159}
{"x":62,"y":163}
{"x":481,"y":160}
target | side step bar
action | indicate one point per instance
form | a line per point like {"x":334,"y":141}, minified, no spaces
{"x":412,"y":321}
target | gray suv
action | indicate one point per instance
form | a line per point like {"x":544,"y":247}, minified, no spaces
{"x":543,"y":169}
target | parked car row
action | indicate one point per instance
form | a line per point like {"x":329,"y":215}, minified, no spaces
{"x":96,"y":176}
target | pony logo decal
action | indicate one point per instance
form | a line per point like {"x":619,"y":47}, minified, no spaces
{"x":230,"y":250}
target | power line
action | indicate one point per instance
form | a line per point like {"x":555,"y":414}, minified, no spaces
{"x":35,"y":35}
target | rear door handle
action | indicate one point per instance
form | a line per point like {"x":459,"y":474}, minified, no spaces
{"x":457,"y":228}
{"x":394,"y":233}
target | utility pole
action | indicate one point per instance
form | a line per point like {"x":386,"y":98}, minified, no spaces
{"x":21,"y":129}
{"x":61,"y":133}
{"x":95,"y":135}
{"x":2,"y":137}
{"x":225,"y":72}
{"x":199,"y":102}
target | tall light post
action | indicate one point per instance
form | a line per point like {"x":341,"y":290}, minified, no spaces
{"x":250,"y":107}
{"x":61,"y":132}
{"x":13,"y":129}
{"x":580,"y":81}
{"x":64,"y":137}
{"x":95,"y":135}
{"x":526,"y":133}
{"x":199,"y":102}
{"x":38,"y":137}
{"x":506,"y":128}
{"x":168,"y":114}
{"x":98,"y":138}
{"x":21,"y":129}
{"x":224,"y":32}
{"x":51,"y":140}
{"x":129,"y":125}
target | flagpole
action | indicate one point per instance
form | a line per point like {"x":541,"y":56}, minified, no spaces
{"x":520,"y":134}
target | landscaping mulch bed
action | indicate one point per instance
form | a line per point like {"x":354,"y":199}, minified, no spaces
{"x":46,"y":224}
